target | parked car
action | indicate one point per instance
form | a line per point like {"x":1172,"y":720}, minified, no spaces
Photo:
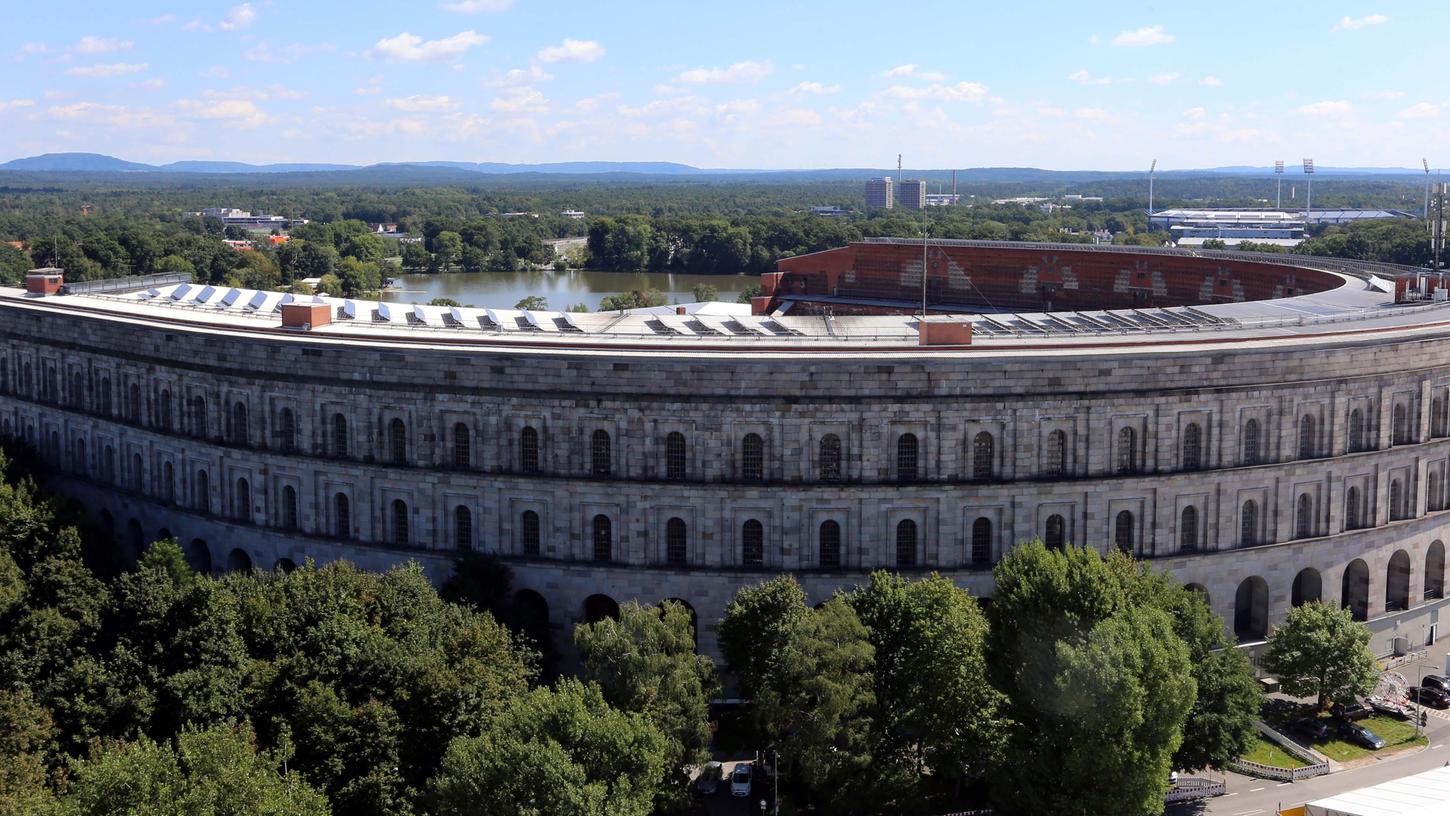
{"x":708,"y":782}
{"x":740,"y":779}
{"x":1436,"y":681}
{"x":1358,"y":734}
{"x":1352,"y":711}
{"x":1311,"y":727}
{"x":1432,"y":697}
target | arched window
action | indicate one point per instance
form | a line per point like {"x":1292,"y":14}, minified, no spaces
{"x":286,"y":431}
{"x":341,"y":516}
{"x":289,"y":507}
{"x":163,"y":411}
{"x":198,"y":416}
{"x":400,"y":523}
{"x":752,"y":544}
{"x":1437,"y":416}
{"x":133,"y":403}
{"x":168,"y":482}
{"x":1055,"y":460}
{"x":1435,"y":570}
{"x":1123,"y":532}
{"x":1127,"y":450}
{"x":462,"y":528}
{"x":1307,"y":445}
{"x":982,"y":542}
{"x":1188,"y":529}
{"x":675,"y":462}
{"x":830,"y":458}
{"x":202,"y":492}
{"x":984,"y":457}
{"x":1353,"y":518}
{"x":830,"y":542}
{"x":1356,"y":430}
{"x":906,"y":457}
{"x":1401,"y":429}
{"x":1249,"y":524}
{"x":675,"y":542}
{"x":603,"y":538}
{"x":601,"y":462}
{"x":1434,"y":496}
{"x":105,"y":395}
{"x":137,"y":473}
{"x":462,"y":452}
{"x":339,"y":435}
{"x":752,"y":458}
{"x":1056,"y":533}
{"x":529,"y":450}
{"x":1192,"y":447}
{"x":239,"y":424}
{"x":243,"y":507}
{"x":398,"y":442}
{"x":1397,"y":500}
{"x":1304,"y":517}
{"x":1252,"y":445}
{"x":906,"y":543}
{"x":77,"y":390}
{"x":529,"y":533}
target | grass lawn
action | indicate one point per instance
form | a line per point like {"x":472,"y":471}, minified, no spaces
{"x":1398,"y":735}
{"x":1269,"y":753}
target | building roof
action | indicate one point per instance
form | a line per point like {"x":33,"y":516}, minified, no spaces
{"x":1423,"y":794}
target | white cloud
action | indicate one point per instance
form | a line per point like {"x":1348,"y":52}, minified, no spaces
{"x":411,"y":48}
{"x":1083,"y":77}
{"x":520,"y":100}
{"x":264,"y":52}
{"x":165,"y":19}
{"x":238,"y":112}
{"x":1329,"y":107}
{"x":747,"y":71}
{"x":150,"y":84}
{"x":1164,"y":79}
{"x":737,"y":106}
{"x":571,"y":51}
{"x":959,"y":92}
{"x":1356,"y":23}
{"x":1148,"y":35}
{"x":100,"y":45}
{"x":815,"y":88}
{"x":1195,"y":113}
{"x":1388,"y":94}
{"x":476,"y":6}
{"x":1211,"y":81}
{"x":797,"y":117}
{"x":1420,"y":110}
{"x":107,"y":69}
{"x":1051,"y":110}
{"x":913,"y":70}
{"x":238,"y":17}
{"x":1092,"y":114}
{"x":419,"y":104}
{"x":114,"y":115}
{"x":524,"y":76}
{"x":15,"y":103}
{"x":31,"y":49}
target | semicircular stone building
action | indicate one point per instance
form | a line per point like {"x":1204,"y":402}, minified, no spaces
{"x":1272,"y":429}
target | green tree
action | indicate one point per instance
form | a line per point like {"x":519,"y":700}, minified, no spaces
{"x":366,"y":247}
{"x":645,"y":663}
{"x":759,"y":621}
{"x":637,"y":299}
{"x":1321,"y":651}
{"x":447,"y":250}
{"x":215,"y":771}
{"x":752,"y":291}
{"x":704,"y":292}
{"x":443,"y":301}
{"x":358,"y":278}
{"x":415,"y":256}
{"x":330,"y":285}
{"x":556,"y":752}
{"x":27,"y":744}
{"x":14,"y":263}
{"x":1097,"y":686}
{"x":315,"y":260}
{"x":533,"y":303}
{"x":578,"y":308}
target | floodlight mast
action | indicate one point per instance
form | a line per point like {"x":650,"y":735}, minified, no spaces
{"x":1278,"y":184}
{"x":1151,"y":168}
{"x":1309,"y":191}
{"x":1425,"y":213}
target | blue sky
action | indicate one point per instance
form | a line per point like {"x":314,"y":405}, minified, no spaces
{"x":740,"y":84}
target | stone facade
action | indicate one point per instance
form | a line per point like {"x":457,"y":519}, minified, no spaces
{"x":143,"y":419}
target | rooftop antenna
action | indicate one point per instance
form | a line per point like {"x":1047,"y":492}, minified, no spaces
{"x":1309,"y":191}
{"x":1278,"y":184}
{"x":1426,"y":212}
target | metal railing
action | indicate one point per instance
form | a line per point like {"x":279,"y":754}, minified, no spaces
{"x":127,"y":284}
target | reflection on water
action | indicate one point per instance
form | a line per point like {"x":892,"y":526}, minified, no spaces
{"x":562,"y":289}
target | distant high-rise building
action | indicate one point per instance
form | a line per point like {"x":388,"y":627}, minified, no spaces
{"x":913,"y":194}
{"x":878,"y":194}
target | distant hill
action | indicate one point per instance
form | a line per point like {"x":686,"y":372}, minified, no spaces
{"x":243,"y":167}
{"x":572,"y":168}
{"x":76,"y":162}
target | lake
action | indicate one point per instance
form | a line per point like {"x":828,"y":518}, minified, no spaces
{"x":562,"y":289}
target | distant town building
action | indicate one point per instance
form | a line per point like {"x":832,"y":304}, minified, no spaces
{"x":512,"y":215}
{"x":878,"y":194}
{"x":387,"y":228}
{"x":1082,"y":198}
{"x":942,"y":199}
{"x":233,"y":217}
{"x":574,"y":215}
{"x":830,"y":212}
{"x":913,"y":194}
{"x":240,"y":246}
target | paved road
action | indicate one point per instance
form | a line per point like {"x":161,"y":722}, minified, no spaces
{"x":1248,"y":796}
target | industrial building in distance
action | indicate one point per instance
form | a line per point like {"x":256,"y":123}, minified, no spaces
{"x":1286,"y":228}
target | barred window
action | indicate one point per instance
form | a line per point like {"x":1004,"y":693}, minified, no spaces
{"x":168,"y":482}
{"x":1304,"y":517}
{"x":133,"y":403}
{"x":163,"y":412}
{"x":1252,"y":446}
{"x":105,"y":395}
{"x":137,"y":473}
{"x":984,"y":458}
{"x":830,"y":458}
{"x":1353,"y":517}
{"x":907,"y":449}
{"x":752,"y":544}
{"x":240,"y":436}
{"x":529,"y":450}
{"x":982,"y":542}
{"x":1056,"y":533}
{"x":462,"y":451}
{"x":1188,"y":529}
{"x":830,"y":544}
{"x":1127,"y":453}
{"x":1192,"y":447}
{"x":1249,"y":524}
{"x":462,"y":528}
{"x":1123,"y":532}
{"x":400,"y":523}
{"x":675,"y":547}
{"x":1437,"y":417}
{"x":243,"y":509}
{"x":1055,"y":461}
{"x":906,"y":543}
{"x":287,"y":431}
{"x":1397,"y":500}
{"x":675,"y":463}
{"x":203,"y":492}
{"x":398,"y":441}
{"x":529,"y":533}
{"x":1307,"y":446}
{"x":1356,"y":431}
{"x":289,"y":507}
{"x":603,"y":538}
{"x":78,"y":451}
{"x":341,"y":516}
{"x":1433,"y":496}
{"x":600,"y":455}
{"x":198,"y":417}
{"x":339,"y":435}
{"x":1401,"y":425}
{"x":752,"y":458}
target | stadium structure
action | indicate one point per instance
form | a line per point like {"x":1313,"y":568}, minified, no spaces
{"x":1272,"y":429}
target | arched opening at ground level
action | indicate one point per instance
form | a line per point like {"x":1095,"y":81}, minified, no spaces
{"x":1354,"y":590}
{"x":1251,"y":609}
{"x":1397,"y":582}
{"x":284,"y":565}
{"x":598,"y":607}
{"x":135,"y":540}
{"x":694,"y":620}
{"x":239,"y":561}
{"x":198,"y":555}
{"x":1435,"y":571}
{"x":1308,"y":587}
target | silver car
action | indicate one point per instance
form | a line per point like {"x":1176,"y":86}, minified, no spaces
{"x":740,"y":779}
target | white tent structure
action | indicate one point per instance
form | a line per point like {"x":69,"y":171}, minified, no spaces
{"x":1424,"y":794}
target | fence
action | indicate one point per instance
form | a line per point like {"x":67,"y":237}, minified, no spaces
{"x":1318,"y":765}
{"x":128,"y":284}
{"x":1190,"y":788}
